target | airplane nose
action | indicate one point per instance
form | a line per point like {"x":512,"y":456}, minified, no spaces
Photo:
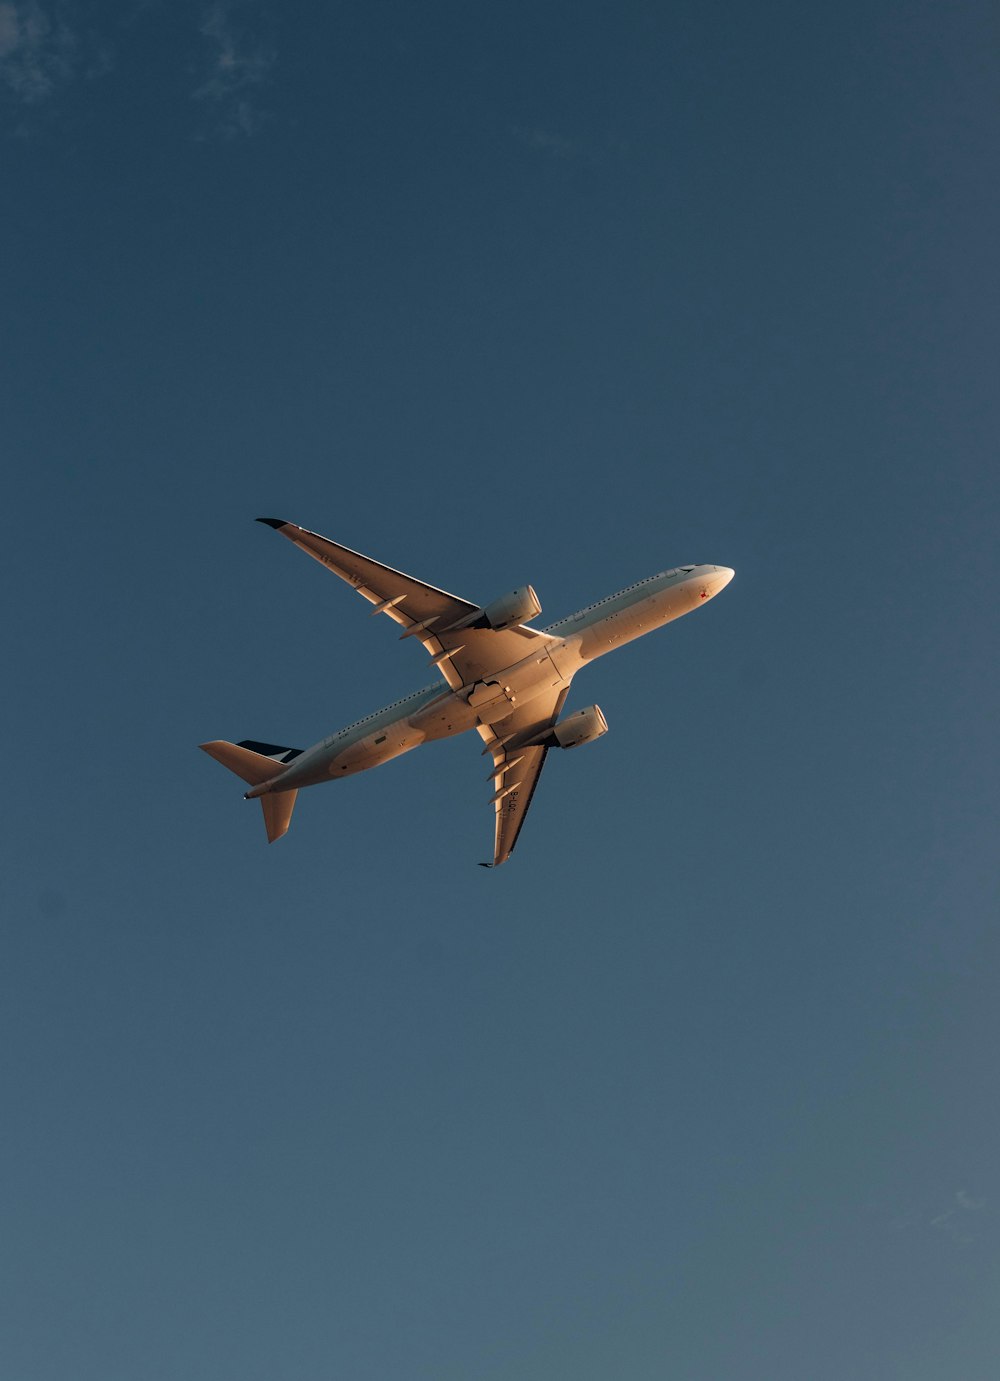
{"x":716,"y":578}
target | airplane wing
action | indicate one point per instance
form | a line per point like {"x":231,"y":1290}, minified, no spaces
{"x":516,"y":770}
{"x":422,"y":611}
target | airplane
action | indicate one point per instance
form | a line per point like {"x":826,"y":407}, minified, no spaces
{"x":504,"y":679}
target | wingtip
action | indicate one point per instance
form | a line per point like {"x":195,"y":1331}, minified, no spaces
{"x":272,"y":522}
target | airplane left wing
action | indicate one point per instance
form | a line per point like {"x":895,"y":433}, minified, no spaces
{"x":516,"y":769}
{"x":462,"y":655}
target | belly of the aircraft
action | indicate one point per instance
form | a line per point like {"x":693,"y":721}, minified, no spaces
{"x":374,"y":749}
{"x":495,"y":698}
{"x":487,"y":702}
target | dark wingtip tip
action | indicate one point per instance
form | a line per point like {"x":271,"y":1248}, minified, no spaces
{"x":271,"y":522}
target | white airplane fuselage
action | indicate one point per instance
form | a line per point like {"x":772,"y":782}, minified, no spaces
{"x":436,"y":711}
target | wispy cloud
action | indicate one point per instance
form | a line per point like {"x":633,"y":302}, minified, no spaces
{"x":958,"y":1222}
{"x":241,"y":64}
{"x":36,"y":51}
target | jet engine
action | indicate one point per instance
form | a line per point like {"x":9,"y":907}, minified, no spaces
{"x":582,"y":727}
{"x":519,"y":606}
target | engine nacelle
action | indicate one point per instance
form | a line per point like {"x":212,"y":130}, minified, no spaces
{"x":582,"y":727}
{"x":519,"y":606}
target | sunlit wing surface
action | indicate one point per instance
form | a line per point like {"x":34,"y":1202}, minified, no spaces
{"x":462,"y":655}
{"x":516,"y":770}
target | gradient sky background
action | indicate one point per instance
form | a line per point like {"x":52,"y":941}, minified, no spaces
{"x":703,"y":1084}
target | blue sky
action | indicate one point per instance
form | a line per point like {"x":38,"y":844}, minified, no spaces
{"x":701,"y":1085}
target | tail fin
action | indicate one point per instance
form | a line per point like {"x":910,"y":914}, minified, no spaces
{"x":256,"y":767}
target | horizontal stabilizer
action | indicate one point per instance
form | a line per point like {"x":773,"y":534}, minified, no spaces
{"x":256,"y":768}
{"x":278,"y":807}
{"x":252,"y":766}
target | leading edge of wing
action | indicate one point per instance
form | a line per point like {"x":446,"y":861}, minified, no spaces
{"x":512,"y":807}
{"x":375,"y":581}
{"x":421,"y":610}
{"x":516,"y":769}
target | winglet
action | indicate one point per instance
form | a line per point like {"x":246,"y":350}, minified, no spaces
{"x":272,"y":522}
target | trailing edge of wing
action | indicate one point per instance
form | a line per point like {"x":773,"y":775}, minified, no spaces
{"x":422,"y":611}
{"x":516,"y":769}
{"x":512,"y":806}
{"x":374,"y":581}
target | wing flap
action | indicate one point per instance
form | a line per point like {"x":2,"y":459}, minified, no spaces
{"x":517,"y":766}
{"x":407,"y":601}
{"x":462,"y":655}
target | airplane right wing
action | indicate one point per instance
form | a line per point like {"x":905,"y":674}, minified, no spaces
{"x":516,"y":770}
